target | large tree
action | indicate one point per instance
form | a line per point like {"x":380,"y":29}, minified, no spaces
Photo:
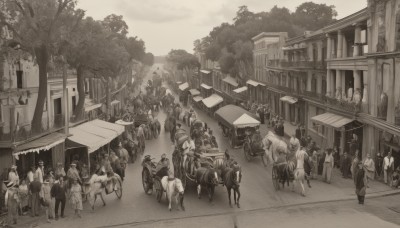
{"x":312,"y":16}
{"x":39,"y":27}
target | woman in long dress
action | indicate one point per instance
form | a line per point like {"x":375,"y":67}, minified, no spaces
{"x":354,"y":166}
{"x":369,"y":167}
{"x":76,"y":197}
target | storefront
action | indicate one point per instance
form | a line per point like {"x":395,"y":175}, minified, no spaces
{"x":206,"y":90}
{"x":256,"y":91}
{"x":241,"y":95}
{"x":89,"y":140}
{"x":292,"y":112}
{"x":49,"y":149}
{"x":212,"y":103}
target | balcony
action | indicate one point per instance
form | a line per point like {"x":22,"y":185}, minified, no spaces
{"x":314,"y":96}
{"x":304,"y":64}
{"x":343,"y":105}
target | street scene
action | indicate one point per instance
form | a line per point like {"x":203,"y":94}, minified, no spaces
{"x":261,"y":115}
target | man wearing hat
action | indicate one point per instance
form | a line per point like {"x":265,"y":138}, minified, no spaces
{"x":13,"y":175}
{"x":40,"y":171}
{"x":60,"y":172}
{"x":12,"y":202}
{"x":34,"y":188}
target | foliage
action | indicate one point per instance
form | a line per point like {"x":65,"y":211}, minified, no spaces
{"x":148,"y":59}
{"x":231,"y":44}
{"x":182,"y":59}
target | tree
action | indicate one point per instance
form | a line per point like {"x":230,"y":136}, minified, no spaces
{"x":116,"y":25}
{"x":135,"y":48}
{"x":312,"y":16}
{"x":39,"y":27}
{"x":243,"y":15}
{"x":148,"y":59}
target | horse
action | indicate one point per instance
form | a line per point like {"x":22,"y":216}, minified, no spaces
{"x":98,"y":184}
{"x":206,"y":177}
{"x":174,"y":190}
{"x":155,"y":128}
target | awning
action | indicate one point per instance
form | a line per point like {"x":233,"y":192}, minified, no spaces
{"x":241,"y":89}
{"x":205,"y":86}
{"x":230,"y":81}
{"x":246,"y":121}
{"x":212,"y":100}
{"x":332,"y":120}
{"x":205,"y":71}
{"x":114,"y":102}
{"x":95,"y":134}
{"x":91,"y":105}
{"x":254,"y":83}
{"x":289,"y":99}
{"x":183,"y":86}
{"x":178,"y":82}
{"x":44,"y":143}
{"x":194,"y":92}
{"x":198,"y":98}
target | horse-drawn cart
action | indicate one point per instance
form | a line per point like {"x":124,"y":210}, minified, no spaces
{"x":151,"y":176}
{"x":234,"y":122}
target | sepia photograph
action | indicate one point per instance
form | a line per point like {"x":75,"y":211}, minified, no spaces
{"x":199,"y":113}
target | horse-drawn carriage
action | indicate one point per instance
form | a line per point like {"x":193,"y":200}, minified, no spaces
{"x":254,"y":147}
{"x":151,"y":176}
{"x":235,"y":121}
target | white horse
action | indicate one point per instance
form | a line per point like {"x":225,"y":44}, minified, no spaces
{"x":273,"y":146}
{"x":174,"y":190}
{"x":299,"y":172}
{"x":98,"y":184}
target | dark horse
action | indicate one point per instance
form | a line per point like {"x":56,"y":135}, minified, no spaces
{"x":232,"y":176}
{"x":208,"y":178}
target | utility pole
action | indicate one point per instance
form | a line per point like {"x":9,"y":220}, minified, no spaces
{"x":65,"y":96}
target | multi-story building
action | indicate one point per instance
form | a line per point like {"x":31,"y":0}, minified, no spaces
{"x":339,"y":81}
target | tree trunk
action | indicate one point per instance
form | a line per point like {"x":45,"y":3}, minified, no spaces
{"x":79,"y":111}
{"x":42,"y":61}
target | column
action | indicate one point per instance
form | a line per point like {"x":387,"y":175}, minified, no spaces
{"x":344,"y":48}
{"x":357,"y":80}
{"x":343,"y":80}
{"x":319,"y":51}
{"x":328,"y":47}
{"x":357,"y":40}
{"x":319,"y":84}
{"x":342,"y":140}
{"x":296,"y":114}
{"x":309,"y":78}
{"x":328,"y":83}
{"x":339,"y":44}
{"x":365,"y":92}
{"x":287,"y":111}
{"x":338,"y":82}
{"x":333,"y":83}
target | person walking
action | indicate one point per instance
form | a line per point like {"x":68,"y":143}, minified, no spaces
{"x":58,"y":191}
{"x":12,"y":202}
{"x":45,"y":199}
{"x":34,"y":188}
{"x":345,"y":166}
{"x":354,"y":166}
{"x":40,"y":171}
{"x":388,"y":167}
{"x":261,"y":113}
{"x":328,"y":166}
{"x":360,"y":185}
{"x":76,"y":197}
{"x":369,"y":166}
{"x":13,"y":175}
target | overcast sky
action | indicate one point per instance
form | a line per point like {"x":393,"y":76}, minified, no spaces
{"x":175,"y":24}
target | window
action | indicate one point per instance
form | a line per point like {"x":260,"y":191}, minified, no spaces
{"x":57,"y":106}
{"x":19,"y":79}
{"x":314,"y":84}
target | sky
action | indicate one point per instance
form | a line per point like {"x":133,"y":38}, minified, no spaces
{"x":174,"y":24}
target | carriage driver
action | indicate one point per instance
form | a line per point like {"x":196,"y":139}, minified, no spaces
{"x":188,"y":149}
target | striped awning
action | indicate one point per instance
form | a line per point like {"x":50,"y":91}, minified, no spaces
{"x":44,"y":143}
{"x":241,"y":89}
{"x":289,"y":99}
{"x":331,"y":120}
{"x":254,"y":83}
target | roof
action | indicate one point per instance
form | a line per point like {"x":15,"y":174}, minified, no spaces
{"x":212,"y":100}
{"x":358,"y":16}
{"x":231,"y":81}
{"x":91,"y":105}
{"x":95,"y":134}
{"x":44,"y":143}
{"x":254,"y":83}
{"x":205,"y":86}
{"x":332,"y":120}
{"x":289,"y":99}
{"x":205,"y":71}
{"x":246,"y":121}
{"x":198,"y":98}
{"x":194,"y":92}
{"x":184,"y":86}
{"x":230,"y":113}
{"x":241,"y":89}
{"x":269,"y":34}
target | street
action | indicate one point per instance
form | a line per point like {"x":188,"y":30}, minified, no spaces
{"x":261,"y":204}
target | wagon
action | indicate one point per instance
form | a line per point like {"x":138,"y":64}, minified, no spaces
{"x":234,"y":121}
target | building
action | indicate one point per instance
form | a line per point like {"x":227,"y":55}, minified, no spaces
{"x":339,"y":81}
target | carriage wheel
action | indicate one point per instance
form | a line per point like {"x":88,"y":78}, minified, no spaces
{"x":264,"y":160}
{"x":275,"y":179}
{"x":146,"y":181}
{"x":247,"y":151}
{"x":159,"y":190}
{"x":118,"y":192}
